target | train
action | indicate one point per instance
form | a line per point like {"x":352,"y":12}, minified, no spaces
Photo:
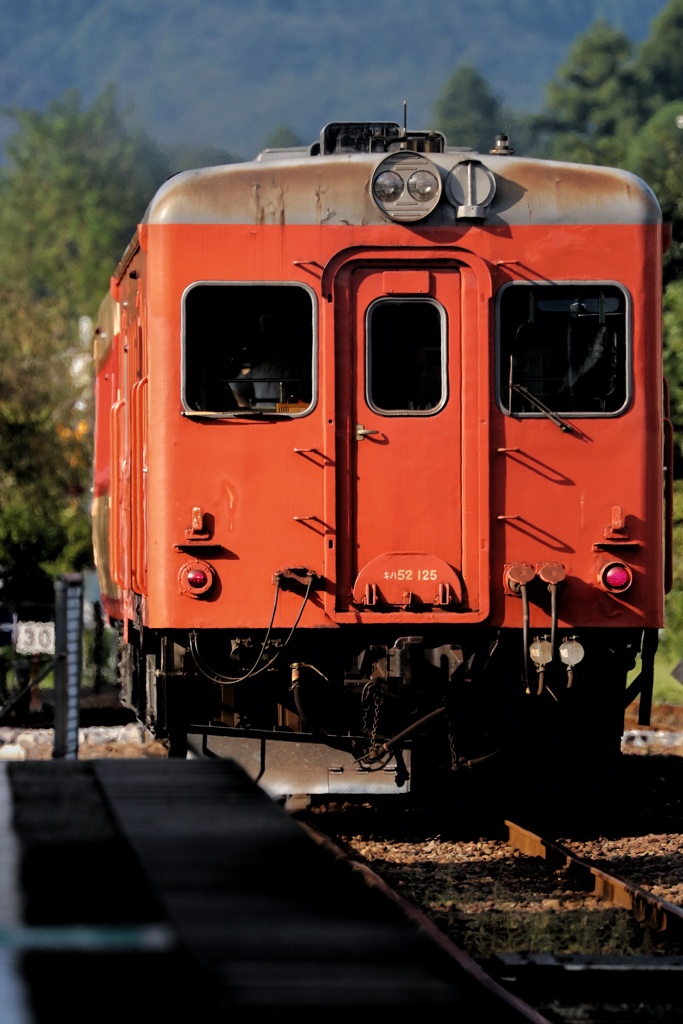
{"x":382,"y":471}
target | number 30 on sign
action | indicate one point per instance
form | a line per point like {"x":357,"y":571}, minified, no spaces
{"x":35,"y":638}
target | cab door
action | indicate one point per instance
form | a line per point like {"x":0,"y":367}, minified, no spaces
{"x":411,"y":434}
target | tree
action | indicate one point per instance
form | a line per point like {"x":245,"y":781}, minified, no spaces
{"x":596,"y":102}
{"x":659,"y":65}
{"x":186,"y":158}
{"x":36,"y":478}
{"x":467,"y":112}
{"x":673,"y":353}
{"x":655,"y":153}
{"x":282,"y":137}
{"x":77,"y":182}
{"x":670,"y":644}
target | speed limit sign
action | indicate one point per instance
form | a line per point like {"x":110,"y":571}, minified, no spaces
{"x":35,"y":638}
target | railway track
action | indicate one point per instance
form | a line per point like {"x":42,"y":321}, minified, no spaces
{"x":607,"y":987}
{"x":616,"y":958}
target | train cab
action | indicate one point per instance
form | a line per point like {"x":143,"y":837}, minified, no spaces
{"x":384,"y":464}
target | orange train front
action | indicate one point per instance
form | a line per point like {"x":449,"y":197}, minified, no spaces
{"x":380,"y":458}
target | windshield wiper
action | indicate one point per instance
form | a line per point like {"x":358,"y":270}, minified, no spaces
{"x":231,"y":414}
{"x":526,"y":394}
{"x":259,"y":414}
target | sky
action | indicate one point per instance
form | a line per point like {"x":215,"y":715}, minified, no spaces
{"x":226,"y":73}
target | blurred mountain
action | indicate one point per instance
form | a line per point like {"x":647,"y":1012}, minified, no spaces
{"x":233,"y":74}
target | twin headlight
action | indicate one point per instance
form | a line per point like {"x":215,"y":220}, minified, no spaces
{"x":407,"y":186}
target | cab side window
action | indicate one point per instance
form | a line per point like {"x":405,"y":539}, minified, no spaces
{"x":248,"y":347}
{"x":565,"y":346}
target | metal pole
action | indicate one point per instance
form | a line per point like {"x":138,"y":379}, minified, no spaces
{"x":68,"y":663}
{"x":647,"y":674}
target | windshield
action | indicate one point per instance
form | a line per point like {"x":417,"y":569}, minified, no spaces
{"x":247,"y":348}
{"x":566,"y":346}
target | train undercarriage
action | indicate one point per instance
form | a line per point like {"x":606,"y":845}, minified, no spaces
{"x":352,"y":713}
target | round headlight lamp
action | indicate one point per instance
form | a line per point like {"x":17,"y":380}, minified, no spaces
{"x":423,"y":185}
{"x":406,"y":186}
{"x":388,"y":186}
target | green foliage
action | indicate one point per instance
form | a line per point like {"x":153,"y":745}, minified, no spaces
{"x":595,"y":101}
{"x":467,"y":112}
{"x":186,"y":158}
{"x":666,"y":689}
{"x":670,"y":650}
{"x":673,"y":355}
{"x":282,"y":137}
{"x":615,"y":105}
{"x":72,"y":197}
{"x":655,"y":153}
{"x":612,"y":104}
{"x":35,"y":465}
{"x":77,"y":182}
{"x":659,"y":66}
{"x":671,"y":639}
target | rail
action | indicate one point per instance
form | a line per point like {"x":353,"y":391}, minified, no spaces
{"x":664,"y":918}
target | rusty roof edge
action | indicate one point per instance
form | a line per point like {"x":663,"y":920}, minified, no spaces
{"x":529,"y":191}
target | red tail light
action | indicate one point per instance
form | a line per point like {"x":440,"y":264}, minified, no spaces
{"x":615,"y":577}
{"x":195,"y":578}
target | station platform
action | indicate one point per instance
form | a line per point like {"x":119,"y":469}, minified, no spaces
{"x":144,"y":889}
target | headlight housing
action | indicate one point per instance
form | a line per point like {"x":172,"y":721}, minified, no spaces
{"x":406,"y":186}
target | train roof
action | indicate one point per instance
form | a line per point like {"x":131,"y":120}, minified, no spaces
{"x":347,"y":178}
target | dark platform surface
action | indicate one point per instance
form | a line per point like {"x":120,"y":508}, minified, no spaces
{"x":163,"y":889}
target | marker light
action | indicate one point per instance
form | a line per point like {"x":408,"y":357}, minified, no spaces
{"x":195,"y":578}
{"x":470,"y":187}
{"x":571,"y":652}
{"x":541,"y":652}
{"x":615,"y":577}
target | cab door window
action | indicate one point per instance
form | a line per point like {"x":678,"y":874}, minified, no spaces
{"x":405,"y":357}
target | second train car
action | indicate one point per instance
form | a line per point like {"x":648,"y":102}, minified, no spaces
{"x":381,"y":458}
